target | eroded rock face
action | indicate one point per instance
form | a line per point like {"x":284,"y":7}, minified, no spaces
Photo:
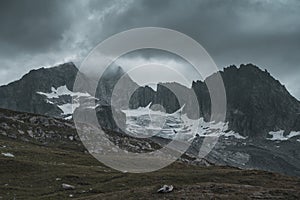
{"x":22,"y":95}
{"x":256,"y":102}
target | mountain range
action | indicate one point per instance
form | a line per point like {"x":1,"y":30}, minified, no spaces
{"x":256,"y":102}
{"x":259,"y":109}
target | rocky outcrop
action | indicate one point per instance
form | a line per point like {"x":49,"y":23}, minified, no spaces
{"x":257,"y":103}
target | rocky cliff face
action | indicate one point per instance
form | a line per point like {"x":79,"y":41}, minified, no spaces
{"x":256,"y":102}
{"x":267,"y":104}
{"x":22,"y":95}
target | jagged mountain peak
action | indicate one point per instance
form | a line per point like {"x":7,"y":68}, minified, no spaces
{"x":256,"y":102}
{"x":113,"y":72}
{"x":252,"y":81}
{"x":42,"y":76}
{"x":63,"y":68}
{"x":250,"y":71}
{"x":23,"y":94}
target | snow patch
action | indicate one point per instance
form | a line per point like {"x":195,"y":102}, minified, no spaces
{"x":278,"y":135}
{"x":293,"y":134}
{"x":69,"y":117}
{"x":234,"y":134}
{"x":63,"y":90}
{"x":145,"y":122}
{"x":67,"y":108}
{"x":93,"y":107}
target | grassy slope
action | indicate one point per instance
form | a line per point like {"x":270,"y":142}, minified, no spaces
{"x":32,"y":174}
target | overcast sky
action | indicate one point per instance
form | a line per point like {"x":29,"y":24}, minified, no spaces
{"x":37,"y":33}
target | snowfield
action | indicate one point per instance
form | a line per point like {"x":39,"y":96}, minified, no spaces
{"x":63,"y":90}
{"x":67,"y":108}
{"x":279,"y":135}
{"x":146,"y":122}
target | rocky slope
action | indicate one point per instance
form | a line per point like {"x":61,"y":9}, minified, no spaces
{"x":54,"y":132}
{"x":42,"y":158}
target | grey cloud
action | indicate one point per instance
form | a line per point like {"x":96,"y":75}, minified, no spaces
{"x":266,"y":33}
{"x":32,"y":25}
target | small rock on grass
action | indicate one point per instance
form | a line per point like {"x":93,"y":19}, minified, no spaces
{"x":67,"y":186}
{"x":165,"y":189}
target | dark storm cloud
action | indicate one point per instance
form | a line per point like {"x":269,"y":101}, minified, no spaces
{"x":266,"y":33}
{"x":32,"y":25}
{"x":33,"y":33}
